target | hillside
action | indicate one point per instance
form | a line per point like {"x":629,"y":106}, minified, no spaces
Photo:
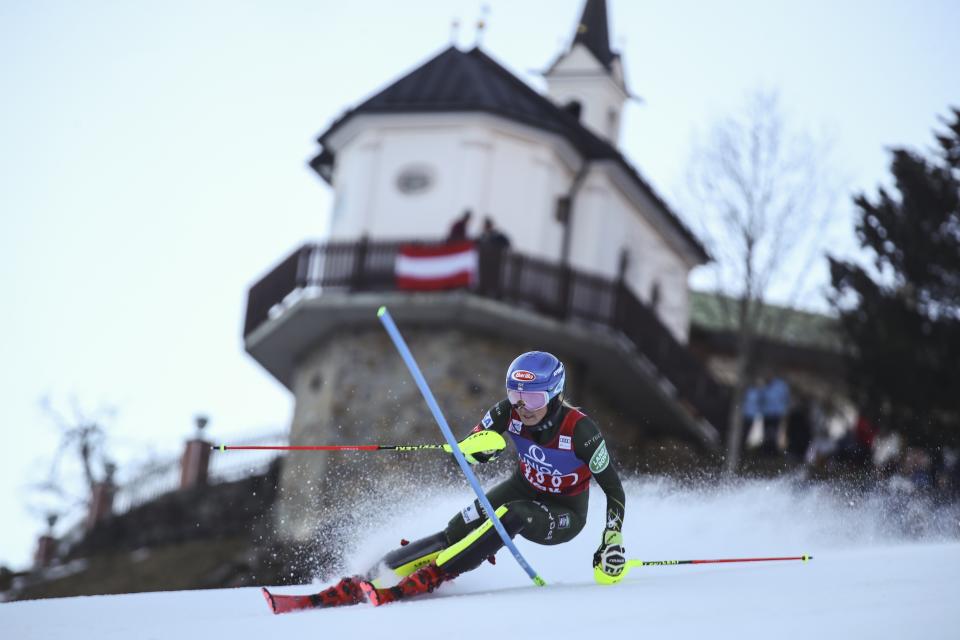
{"x":883,"y":568}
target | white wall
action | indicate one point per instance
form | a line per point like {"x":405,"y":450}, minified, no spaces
{"x":514,"y":174}
{"x":503,"y":171}
{"x":605,"y":223}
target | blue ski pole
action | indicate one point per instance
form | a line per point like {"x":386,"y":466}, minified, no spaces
{"x":401,"y":345}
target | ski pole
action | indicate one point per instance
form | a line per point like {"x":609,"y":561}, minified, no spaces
{"x":327,"y":447}
{"x":474,"y":443}
{"x":603,"y":578}
{"x":387,"y":321}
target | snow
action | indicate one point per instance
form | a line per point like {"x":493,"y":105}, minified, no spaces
{"x":882,"y":568}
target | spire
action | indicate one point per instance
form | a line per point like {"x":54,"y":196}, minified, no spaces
{"x":592,"y":31}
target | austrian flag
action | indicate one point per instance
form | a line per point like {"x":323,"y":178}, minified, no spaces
{"x":433,"y":267}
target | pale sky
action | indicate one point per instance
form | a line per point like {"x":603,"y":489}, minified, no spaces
{"x":154,"y":166}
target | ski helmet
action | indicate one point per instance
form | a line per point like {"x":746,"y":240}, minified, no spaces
{"x":535,"y":378}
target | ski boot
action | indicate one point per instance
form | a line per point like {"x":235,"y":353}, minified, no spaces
{"x":423,"y":580}
{"x":345,"y":592}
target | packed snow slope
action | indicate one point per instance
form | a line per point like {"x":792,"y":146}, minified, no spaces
{"x":883,"y":568}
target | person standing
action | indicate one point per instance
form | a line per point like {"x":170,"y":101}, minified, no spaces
{"x":492,"y":244}
{"x":774,"y":403}
{"x":458,"y":230}
{"x":493,"y":237}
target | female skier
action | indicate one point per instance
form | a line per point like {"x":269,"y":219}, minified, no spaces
{"x":545,"y":500}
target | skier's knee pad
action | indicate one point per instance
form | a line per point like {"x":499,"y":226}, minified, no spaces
{"x":469,"y":552}
{"x":412,"y":556}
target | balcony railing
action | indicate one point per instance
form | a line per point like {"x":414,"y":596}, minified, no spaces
{"x":551,"y":289}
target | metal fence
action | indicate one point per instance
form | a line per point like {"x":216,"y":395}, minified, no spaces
{"x":163,"y":476}
{"x":552,"y":289}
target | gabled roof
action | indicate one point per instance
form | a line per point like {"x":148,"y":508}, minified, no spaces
{"x":457,"y":81}
{"x":593,"y":33}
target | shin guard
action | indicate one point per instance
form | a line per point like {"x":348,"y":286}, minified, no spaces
{"x":414,"y":555}
{"x":469,"y":552}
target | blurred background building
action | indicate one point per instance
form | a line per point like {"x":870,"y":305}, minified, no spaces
{"x":590,"y":264}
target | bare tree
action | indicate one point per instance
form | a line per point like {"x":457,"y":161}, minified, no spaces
{"x":763,"y":194}
{"x":82,"y":434}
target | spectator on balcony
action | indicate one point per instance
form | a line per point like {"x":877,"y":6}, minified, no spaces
{"x":492,"y":237}
{"x":774,"y":402}
{"x":458,"y":230}
{"x":491,"y":245}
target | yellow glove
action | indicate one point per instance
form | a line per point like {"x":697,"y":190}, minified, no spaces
{"x":611,"y":556}
{"x":482,"y":457}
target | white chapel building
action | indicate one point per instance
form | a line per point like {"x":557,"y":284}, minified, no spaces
{"x":460,"y":132}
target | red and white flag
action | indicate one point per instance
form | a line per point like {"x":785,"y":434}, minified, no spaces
{"x":440,"y":266}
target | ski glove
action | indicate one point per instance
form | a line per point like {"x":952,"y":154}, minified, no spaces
{"x":611,"y":556}
{"x":482,"y":457}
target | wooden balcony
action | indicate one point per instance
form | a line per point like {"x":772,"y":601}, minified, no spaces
{"x":321,"y":287}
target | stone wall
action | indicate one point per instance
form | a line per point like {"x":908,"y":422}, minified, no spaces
{"x":355,"y":389}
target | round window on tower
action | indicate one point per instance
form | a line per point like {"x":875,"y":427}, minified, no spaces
{"x":415,"y":179}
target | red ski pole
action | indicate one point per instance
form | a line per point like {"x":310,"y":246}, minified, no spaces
{"x":603,"y":578}
{"x":474,"y":443}
{"x":330,"y":447}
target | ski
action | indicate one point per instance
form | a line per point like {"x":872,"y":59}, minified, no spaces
{"x":344,"y":593}
{"x":285,"y":604}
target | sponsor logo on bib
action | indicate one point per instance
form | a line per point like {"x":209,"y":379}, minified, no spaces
{"x":470,"y":514}
{"x":565,"y":442}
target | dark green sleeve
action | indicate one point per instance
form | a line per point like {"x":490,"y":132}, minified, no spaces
{"x":496,"y":419}
{"x":589,"y":445}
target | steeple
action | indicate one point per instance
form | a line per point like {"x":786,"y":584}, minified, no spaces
{"x":587,"y":79}
{"x":592,"y":32}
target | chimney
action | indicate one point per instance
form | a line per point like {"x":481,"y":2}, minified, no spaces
{"x":196,"y":458}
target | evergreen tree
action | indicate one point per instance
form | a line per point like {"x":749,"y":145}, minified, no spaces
{"x":902,"y":316}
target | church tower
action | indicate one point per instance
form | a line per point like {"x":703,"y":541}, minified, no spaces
{"x":588,"y":78}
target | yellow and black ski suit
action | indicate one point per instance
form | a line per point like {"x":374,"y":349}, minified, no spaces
{"x":544,"y":500}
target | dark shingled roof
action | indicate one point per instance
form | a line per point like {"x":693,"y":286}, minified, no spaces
{"x":592,"y":32}
{"x":457,"y":81}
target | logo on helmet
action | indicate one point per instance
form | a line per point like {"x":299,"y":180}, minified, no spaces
{"x":522,"y":375}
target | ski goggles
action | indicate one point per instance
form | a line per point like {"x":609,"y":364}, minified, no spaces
{"x":532,"y":400}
